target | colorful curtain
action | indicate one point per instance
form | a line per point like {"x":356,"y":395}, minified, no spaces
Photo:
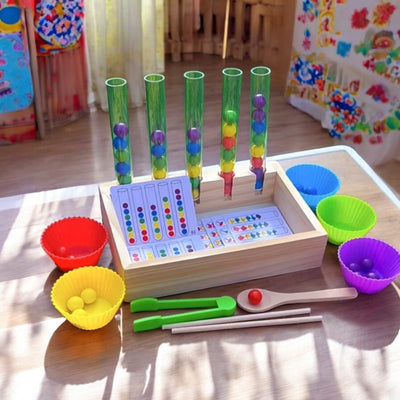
{"x":125,"y":38}
{"x":345,"y":71}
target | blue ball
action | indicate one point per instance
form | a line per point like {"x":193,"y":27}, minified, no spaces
{"x":120,"y":143}
{"x":122,"y":168}
{"x":158,"y":150}
{"x":258,"y":127}
{"x":193,"y":148}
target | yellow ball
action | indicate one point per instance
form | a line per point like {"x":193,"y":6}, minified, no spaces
{"x":79,"y":312}
{"x":89,"y":295}
{"x":229,"y":130}
{"x":195,"y":193}
{"x":257,"y":151}
{"x":74,"y":303}
{"x":159,"y":173}
{"x":193,"y":171}
{"x":227,"y":166}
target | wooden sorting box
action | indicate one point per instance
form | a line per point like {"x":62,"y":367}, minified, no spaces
{"x":303,"y":249}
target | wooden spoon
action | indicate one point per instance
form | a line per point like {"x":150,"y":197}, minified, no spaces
{"x":272,"y":299}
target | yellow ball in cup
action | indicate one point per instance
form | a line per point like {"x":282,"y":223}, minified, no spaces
{"x":89,"y":295}
{"x":74,"y":303}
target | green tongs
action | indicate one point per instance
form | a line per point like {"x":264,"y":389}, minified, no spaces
{"x":214,"y":307}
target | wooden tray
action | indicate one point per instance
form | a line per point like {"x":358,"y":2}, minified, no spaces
{"x":301,"y":250}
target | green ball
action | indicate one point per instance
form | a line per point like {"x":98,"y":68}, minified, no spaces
{"x":160,"y":162}
{"x":258,"y":140}
{"x":194,"y":159}
{"x":230,"y":116}
{"x":195,"y":182}
{"x":122,"y":155}
{"x":228,"y":155}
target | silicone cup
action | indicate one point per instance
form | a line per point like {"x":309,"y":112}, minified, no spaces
{"x":385,"y":259}
{"x":74,"y":242}
{"x":110,"y":290}
{"x":313,"y":182}
{"x":345,"y":217}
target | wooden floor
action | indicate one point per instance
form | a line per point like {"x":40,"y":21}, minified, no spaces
{"x":80,"y":152}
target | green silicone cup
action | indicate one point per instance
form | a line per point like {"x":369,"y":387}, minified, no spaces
{"x":345,"y":217}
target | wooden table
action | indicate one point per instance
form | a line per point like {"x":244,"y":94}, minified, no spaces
{"x":353,"y":354}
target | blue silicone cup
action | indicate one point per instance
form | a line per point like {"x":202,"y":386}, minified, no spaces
{"x":385,"y":265}
{"x":313,"y":182}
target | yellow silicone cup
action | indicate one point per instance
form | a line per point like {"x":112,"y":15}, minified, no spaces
{"x":345,"y":217}
{"x":110,"y":291}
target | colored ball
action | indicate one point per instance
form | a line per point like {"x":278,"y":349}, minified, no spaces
{"x":157,"y":150}
{"x":122,"y":155}
{"x":89,"y":295}
{"x":228,"y":143}
{"x":195,"y":193}
{"x":228,"y":155}
{"x":355,"y":267}
{"x":227,"y":166}
{"x":120,"y":129}
{"x":125,"y":179}
{"x":195,"y":182}
{"x":159,"y":173}
{"x":258,"y":172}
{"x":160,"y":162}
{"x":258,"y":140}
{"x":229,"y":130}
{"x":230,"y":116}
{"x":258,"y":115}
{"x":227,"y":176}
{"x":193,"y":134}
{"x":122,"y":168}
{"x":157,"y":136}
{"x":74,"y":303}
{"x":259,"y":100}
{"x":258,"y":127}
{"x":193,"y":148}
{"x":310,"y":190}
{"x":366,"y":265}
{"x":254,"y":297}
{"x":257,"y":151}
{"x":120,"y":143}
{"x":259,"y":184}
{"x":193,"y":171}
{"x":194,"y":159}
{"x":257,"y":162}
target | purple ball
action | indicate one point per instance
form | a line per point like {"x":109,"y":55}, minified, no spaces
{"x":258,"y":115}
{"x":258,"y":172}
{"x":259,"y":100}
{"x":193,"y":134}
{"x":121,"y":129}
{"x":158,"y":136}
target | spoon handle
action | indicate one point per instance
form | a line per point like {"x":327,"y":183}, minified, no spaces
{"x":318,"y":295}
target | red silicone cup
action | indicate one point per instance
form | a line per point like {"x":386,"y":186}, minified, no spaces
{"x":74,"y":242}
{"x":384,"y":257}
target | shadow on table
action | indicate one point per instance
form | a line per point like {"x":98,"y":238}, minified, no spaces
{"x":76,"y":356}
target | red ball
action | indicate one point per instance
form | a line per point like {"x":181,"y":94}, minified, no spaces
{"x":228,"y":143}
{"x":254,"y":297}
{"x":257,"y":162}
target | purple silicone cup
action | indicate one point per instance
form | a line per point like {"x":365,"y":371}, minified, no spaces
{"x":385,"y":259}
